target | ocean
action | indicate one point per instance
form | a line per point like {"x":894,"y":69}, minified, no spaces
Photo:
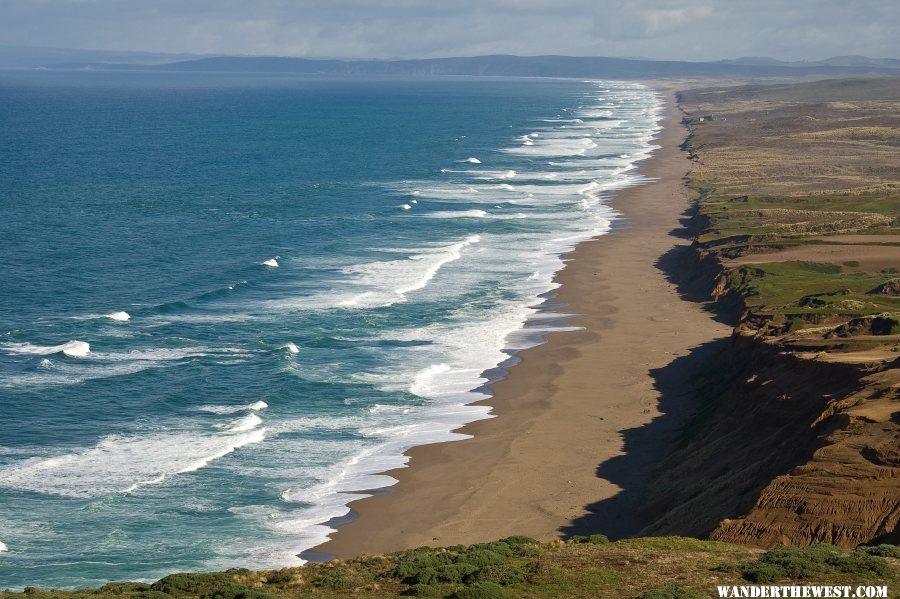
{"x":230,"y":301}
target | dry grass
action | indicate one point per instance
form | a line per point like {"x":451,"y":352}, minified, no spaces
{"x":780,"y":169}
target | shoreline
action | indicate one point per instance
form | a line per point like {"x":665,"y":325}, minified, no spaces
{"x":565,"y":405}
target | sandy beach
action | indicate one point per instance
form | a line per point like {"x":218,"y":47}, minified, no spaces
{"x":583,"y":417}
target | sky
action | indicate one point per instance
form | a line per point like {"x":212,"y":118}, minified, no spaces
{"x":660,"y":29}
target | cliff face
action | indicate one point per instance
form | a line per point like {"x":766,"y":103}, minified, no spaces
{"x":784,"y":450}
{"x":796,"y":435}
{"x":846,"y":492}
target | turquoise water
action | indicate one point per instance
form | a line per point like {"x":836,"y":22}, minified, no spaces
{"x":228,"y":302}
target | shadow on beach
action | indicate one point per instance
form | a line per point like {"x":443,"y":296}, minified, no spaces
{"x":645,"y":447}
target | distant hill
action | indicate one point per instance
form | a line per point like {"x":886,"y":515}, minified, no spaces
{"x":34,"y":57}
{"x":495,"y":65}
{"x":835,"y":61}
{"x":523,"y":66}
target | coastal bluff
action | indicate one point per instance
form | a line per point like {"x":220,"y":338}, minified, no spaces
{"x":795,"y":438}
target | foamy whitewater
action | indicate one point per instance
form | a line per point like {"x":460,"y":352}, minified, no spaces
{"x":237,"y":302}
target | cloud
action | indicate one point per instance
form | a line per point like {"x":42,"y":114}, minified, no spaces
{"x":682,"y":29}
{"x":648,"y":20}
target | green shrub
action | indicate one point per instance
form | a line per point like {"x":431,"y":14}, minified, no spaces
{"x":121,"y":588}
{"x":404,"y":570}
{"x":279,"y":576}
{"x":727,"y":568}
{"x":480,"y":590}
{"x":215,"y":586}
{"x":481,"y":558}
{"x":502,"y":574}
{"x":882,"y":550}
{"x":373,"y":560}
{"x":807,"y":562}
{"x":234,"y":590}
{"x":860,"y":563}
{"x":810,"y":562}
{"x":337,"y":578}
{"x":499,"y":547}
{"x":410,"y":566}
{"x":455,"y":572}
{"x":672,"y":591}
{"x":577,"y":539}
{"x":422,"y":590}
{"x":796,"y":324}
{"x":592,"y":539}
{"x":520,"y":540}
{"x":764,"y":573}
{"x":424,"y":576}
{"x":526,"y":550}
{"x":184,"y":584}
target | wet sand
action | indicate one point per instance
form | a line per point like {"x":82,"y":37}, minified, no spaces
{"x":562,"y":411}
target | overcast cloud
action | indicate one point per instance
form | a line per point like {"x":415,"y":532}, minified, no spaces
{"x":686,"y":29}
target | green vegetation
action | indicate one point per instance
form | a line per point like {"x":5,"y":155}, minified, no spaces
{"x":672,"y":591}
{"x":645,"y":568}
{"x":819,"y":562}
{"x":809,"y":184}
{"x":810,"y":288}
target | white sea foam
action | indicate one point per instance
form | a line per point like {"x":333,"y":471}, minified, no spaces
{"x":60,"y":374}
{"x":456,"y":214}
{"x":472,"y":160}
{"x":123,"y":463}
{"x":382,"y":283}
{"x":119,"y":316}
{"x":247,"y":423}
{"x":291,"y":347}
{"x":259,"y":405}
{"x":555,"y":146}
{"x":171,"y":354}
{"x":271,"y":262}
{"x":385,"y":409}
{"x":491,"y":175}
{"x":474,"y":214}
{"x":469,"y":348}
{"x":75,"y":349}
{"x":314,"y":505}
{"x":103,"y":364}
{"x":434,"y":263}
{"x":405,"y":206}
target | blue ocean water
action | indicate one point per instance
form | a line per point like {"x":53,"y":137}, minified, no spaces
{"x":229,"y":302}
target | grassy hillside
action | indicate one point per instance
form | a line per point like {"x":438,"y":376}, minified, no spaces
{"x":798,"y":197}
{"x":650,"y":568}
